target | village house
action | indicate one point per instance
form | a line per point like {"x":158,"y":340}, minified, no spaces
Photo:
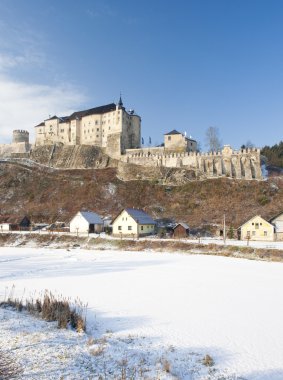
{"x":181,"y":230}
{"x":86,"y":222}
{"x":132,"y":222}
{"x":277,"y":221}
{"x":14,"y":223}
{"x":257,"y":229}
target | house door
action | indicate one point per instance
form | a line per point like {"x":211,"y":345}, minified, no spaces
{"x":91,"y":228}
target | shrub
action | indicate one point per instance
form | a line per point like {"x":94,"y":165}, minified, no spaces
{"x":208,"y":361}
{"x":9,"y":369}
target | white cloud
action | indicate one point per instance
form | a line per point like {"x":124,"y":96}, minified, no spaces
{"x":24,"y":105}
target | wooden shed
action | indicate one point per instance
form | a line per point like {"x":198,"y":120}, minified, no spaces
{"x":14,"y":223}
{"x":181,"y":230}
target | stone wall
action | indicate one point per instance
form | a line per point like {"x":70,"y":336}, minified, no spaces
{"x":235,"y":164}
{"x":6,"y":150}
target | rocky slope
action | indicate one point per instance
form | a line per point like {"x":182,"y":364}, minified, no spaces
{"x":48,"y":194}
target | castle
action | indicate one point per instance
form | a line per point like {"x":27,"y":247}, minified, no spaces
{"x":117,"y":132}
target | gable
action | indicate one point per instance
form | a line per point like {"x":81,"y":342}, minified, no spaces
{"x":257,"y":219}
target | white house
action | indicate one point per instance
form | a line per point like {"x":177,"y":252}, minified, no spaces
{"x":277,"y":221}
{"x":133,"y":222}
{"x":86,"y":222}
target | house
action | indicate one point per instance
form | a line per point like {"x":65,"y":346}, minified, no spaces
{"x":14,"y":223}
{"x":86,"y":222}
{"x":133,"y":222}
{"x":181,"y":230}
{"x":277,"y":222}
{"x":178,"y":142}
{"x":258,"y":229}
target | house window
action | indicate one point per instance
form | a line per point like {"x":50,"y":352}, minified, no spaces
{"x":119,"y":228}
{"x":253,"y":233}
{"x":169,"y":138}
{"x":248,"y":233}
{"x":130,"y":228}
{"x":265,"y":233}
{"x":142,"y":228}
{"x":256,"y":226}
{"x":97,"y":129}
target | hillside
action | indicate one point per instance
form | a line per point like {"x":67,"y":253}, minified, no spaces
{"x":50,"y":194}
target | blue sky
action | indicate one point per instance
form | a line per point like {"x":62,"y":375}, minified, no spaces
{"x":182,"y":64}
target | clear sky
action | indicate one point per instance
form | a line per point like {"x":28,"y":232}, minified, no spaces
{"x":181,"y":64}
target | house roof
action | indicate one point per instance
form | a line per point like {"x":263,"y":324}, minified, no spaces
{"x":52,"y":118}
{"x":186,"y":227}
{"x":275,"y":217}
{"x":91,"y":217}
{"x":174,"y":132}
{"x":40,"y":125}
{"x":93,"y":111}
{"x":140,"y":216}
{"x":12,"y":219}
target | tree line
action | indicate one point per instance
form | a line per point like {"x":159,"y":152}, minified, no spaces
{"x":274,"y":154}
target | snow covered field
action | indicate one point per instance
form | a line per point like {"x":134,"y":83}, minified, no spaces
{"x":146,"y":310}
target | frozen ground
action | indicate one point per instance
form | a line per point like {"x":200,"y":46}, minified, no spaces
{"x":147,"y":309}
{"x":204,"y":240}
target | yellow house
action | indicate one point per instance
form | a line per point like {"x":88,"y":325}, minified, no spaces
{"x":257,"y":228}
{"x":132,"y":222}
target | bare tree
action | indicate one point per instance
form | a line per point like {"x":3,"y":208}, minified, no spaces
{"x":212,"y":139}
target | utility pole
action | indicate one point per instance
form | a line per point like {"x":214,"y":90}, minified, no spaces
{"x":224,"y":230}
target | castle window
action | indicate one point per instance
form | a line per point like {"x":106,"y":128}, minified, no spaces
{"x":97,"y":135}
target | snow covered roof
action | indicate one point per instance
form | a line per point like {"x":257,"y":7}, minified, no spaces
{"x":91,"y":217}
{"x":140,"y":216}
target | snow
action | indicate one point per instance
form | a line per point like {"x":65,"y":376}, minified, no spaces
{"x":147,"y":308}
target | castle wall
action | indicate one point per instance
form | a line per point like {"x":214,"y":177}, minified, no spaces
{"x":6,"y":150}
{"x":235,"y":164}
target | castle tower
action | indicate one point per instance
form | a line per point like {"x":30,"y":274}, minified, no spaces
{"x":20,"y":136}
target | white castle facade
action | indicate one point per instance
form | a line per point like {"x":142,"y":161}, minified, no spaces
{"x":118,"y":133}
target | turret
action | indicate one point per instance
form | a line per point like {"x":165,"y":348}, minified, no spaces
{"x":20,"y":136}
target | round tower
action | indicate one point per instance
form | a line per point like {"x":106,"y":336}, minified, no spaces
{"x":20,"y":136}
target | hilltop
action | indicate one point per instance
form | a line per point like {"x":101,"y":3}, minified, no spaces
{"x":47,"y":194}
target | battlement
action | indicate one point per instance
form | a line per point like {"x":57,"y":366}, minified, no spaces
{"x":241,"y":164}
{"x":20,"y":136}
